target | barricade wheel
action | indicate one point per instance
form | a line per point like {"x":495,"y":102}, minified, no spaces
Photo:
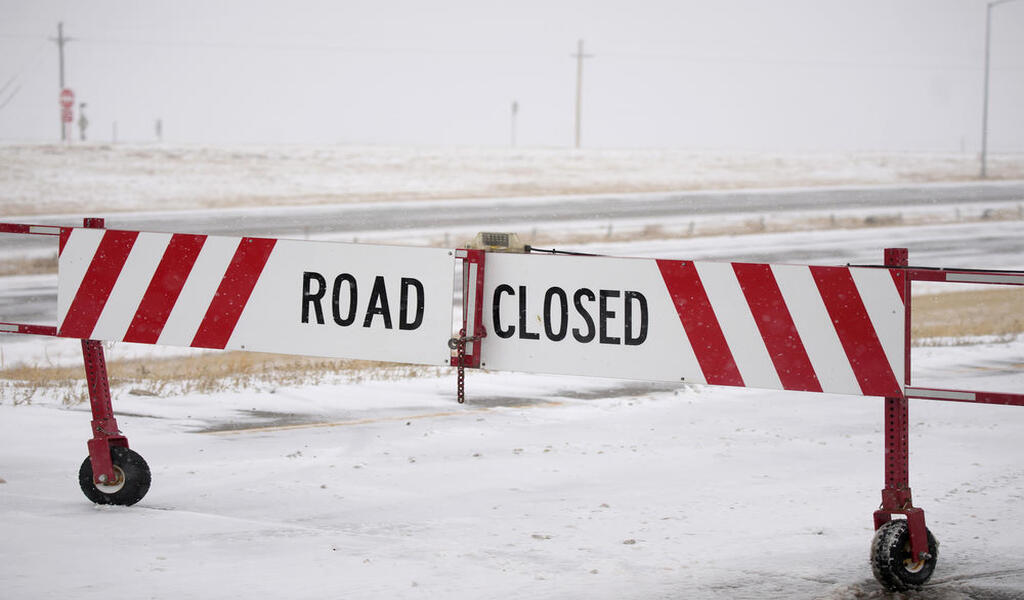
{"x":891,"y":560}
{"x":132,"y":483}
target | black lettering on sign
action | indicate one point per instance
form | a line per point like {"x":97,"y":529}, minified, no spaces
{"x":621,"y":317}
{"x":403,"y":316}
{"x":345,"y":301}
{"x":604,"y":314}
{"x":378,"y":304}
{"x":353,"y":296}
{"x":496,"y":311}
{"x":311,"y":298}
{"x":584,"y":314}
{"x":563,"y":314}
{"x":642,"y":303}
{"x":523,"y":333}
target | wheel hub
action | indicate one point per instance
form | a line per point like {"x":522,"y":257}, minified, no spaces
{"x":111,"y":487}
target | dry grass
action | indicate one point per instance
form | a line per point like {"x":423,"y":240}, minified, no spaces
{"x":204,"y":374}
{"x":28,"y":266}
{"x":955,"y":316}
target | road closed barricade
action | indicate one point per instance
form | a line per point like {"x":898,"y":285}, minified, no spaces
{"x":831,"y":329}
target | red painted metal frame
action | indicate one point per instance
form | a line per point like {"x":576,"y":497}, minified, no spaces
{"x":105,"y":433}
{"x":966,"y":276}
{"x":977,"y":397}
{"x":28,"y":229}
{"x":896,"y":495}
{"x":472,"y":305}
{"x":963,"y":276}
{"x":28,"y":329}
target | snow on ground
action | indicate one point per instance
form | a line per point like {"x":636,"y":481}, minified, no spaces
{"x":538,"y":487}
{"x":44,"y":179}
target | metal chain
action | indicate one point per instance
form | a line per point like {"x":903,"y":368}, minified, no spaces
{"x":461,"y":388}
{"x":459,"y":345}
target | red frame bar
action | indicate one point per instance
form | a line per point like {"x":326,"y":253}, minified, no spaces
{"x":29,"y":329}
{"x":105,"y":433}
{"x":472,"y":305}
{"x":965,"y":396}
{"x":966,"y":276}
{"x":27,"y":229}
{"x":960,"y":276}
{"x":896,"y":495}
{"x":30,"y":229}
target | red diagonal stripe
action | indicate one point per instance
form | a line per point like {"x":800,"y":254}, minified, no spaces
{"x":233,"y":293}
{"x":99,"y":279}
{"x":899,"y":278}
{"x":856,"y":331}
{"x":776,"y":326}
{"x":164,"y":288}
{"x":699,"y":321}
{"x":65,"y":233}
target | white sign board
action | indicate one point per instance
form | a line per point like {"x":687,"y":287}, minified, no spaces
{"x":833,"y":329}
{"x":371,"y":302}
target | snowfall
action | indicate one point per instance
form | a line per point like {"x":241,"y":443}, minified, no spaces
{"x":538,"y":486}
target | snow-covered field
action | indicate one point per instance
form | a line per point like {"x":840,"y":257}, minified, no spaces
{"x":538,"y":487}
{"x":44,"y":179}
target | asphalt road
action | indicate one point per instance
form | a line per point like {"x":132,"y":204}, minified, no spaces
{"x":398,"y":216}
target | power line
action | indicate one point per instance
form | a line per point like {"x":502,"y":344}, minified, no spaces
{"x":627,"y":55}
{"x":623,"y":55}
{"x":312,"y":46}
{"x":11,"y":97}
{"x":18,"y":79}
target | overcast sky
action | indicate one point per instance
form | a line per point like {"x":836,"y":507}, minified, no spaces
{"x":786,"y":75}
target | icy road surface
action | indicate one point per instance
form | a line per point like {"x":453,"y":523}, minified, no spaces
{"x":539,"y":487}
{"x":343,"y":221}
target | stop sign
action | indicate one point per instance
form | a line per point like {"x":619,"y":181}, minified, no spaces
{"x":67,"y":98}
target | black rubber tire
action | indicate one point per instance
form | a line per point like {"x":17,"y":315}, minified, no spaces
{"x":133,"y":483}
{"x":891,"y":558}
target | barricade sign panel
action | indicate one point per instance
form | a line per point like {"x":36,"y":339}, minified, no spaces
{"x":823,"y":329}
{"x":371,"y":302}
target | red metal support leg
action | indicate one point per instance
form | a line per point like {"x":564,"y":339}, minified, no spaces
{"x":896,"y":496}
{"x":104,"y":426}
{"x":105,"y":433}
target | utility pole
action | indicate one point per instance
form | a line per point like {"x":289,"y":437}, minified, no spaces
{"x":61,"y":40}
{"x":579,"y":56}
{"x":514,"y":111}
{"x":984,"y":108}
